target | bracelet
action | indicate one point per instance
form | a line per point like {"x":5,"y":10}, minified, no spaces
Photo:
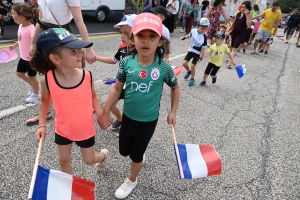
{"x":43,"y":125}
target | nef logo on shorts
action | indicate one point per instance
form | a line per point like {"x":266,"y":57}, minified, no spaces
{"x":150,"y":20}
{"x":155,"y":74}
{"x":143,"y":74}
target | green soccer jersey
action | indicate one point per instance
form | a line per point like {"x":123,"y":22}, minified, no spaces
{"x":144,"y":87}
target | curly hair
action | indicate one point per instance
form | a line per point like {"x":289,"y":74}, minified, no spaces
{"x":42,"y":63}
{"x":30,"y":12}
{"x":218,"y":2}
{"x":248,"y":5}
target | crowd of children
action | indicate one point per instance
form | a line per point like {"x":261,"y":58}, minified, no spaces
{"x":143,"y":69}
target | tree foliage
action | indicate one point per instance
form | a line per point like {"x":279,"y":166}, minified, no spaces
{"x":287,"y":6}
{"x":139,"y":5}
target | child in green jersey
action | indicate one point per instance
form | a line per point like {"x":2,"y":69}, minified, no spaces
{"x":145,"y":73}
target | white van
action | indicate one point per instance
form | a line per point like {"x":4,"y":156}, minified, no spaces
{"x":101,"y":9}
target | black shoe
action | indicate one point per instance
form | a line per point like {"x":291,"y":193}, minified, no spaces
{"x":261,"y":51}
{"x":266,"y":52}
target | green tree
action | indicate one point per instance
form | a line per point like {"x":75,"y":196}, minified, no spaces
{"x":287,"y":6}
{"x":139,"y":5}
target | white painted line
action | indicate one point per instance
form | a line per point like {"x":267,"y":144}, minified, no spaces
{"x":19,"y":108}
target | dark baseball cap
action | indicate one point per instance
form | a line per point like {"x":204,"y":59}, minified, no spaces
{"x":54,"y":37}
{"x":220,"y":34}
{"x":159,"y":10}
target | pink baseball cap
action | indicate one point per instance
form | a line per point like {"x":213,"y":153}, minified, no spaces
{"x":147,"y":21}
{"x":7,"y":55}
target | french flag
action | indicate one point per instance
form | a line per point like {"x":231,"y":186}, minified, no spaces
{"x":280,"y":38}
{"x":177,"y":70}
{"x":241,"y":70}
{"x":199,"y":160}
{"x":56,"y":185}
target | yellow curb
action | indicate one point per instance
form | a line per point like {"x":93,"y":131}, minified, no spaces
{"x":91,"y":38}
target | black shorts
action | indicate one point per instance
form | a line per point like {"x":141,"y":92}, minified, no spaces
{"x":290,"y":31}
{"x":24,"y":66}
{"x":211,"y":69}
{"x":134,"y":137}
{"x":191,"y":55}
{"x":60,"y":140}
{"x":122,"y":95}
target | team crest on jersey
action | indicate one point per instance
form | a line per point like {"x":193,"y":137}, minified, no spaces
{"x":155,"y":74}
{"x":143,"y":74}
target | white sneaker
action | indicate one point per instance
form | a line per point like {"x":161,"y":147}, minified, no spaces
{"x":33,"y":98}
{"x":144,"y":158}
{"x":101,"y":166}
{"x":181,"y":31}
{"x":30,"y":91}
{"x":286,"y":41}
{"x":125,"y":189}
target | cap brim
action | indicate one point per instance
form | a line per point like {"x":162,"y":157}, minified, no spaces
{"x":203,"y":24}
{"x":77,"y":44}
{"x":121,"y":24}
{"x":147,"y":28}
{"x":219,"y":36}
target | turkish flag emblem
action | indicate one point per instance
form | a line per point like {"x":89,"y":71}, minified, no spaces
{"x":143,"y":74}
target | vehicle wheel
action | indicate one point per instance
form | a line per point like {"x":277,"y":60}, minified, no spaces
{"x":101,"y":15}
{"x":9,"y":20}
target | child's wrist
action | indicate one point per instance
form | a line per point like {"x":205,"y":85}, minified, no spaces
{"x":42,"y":126}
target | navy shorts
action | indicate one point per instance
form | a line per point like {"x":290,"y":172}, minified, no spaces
{"x":60,"y":140}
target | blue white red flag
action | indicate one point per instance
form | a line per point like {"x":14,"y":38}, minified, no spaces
{"x":199,"y":160}
{"x":280,"y":38}
{"x":241,"y":70}
{"x":56,"y":185}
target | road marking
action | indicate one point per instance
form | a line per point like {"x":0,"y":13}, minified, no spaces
{"x":10,"y":111}
{"x":92,"y":37}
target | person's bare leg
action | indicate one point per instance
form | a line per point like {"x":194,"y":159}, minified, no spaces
{"x":65,"y":158}
{"x":205,"y":77}
{"x":34,"y":83}
{"x":261,"y":46}
{"x":255,"y":46}
{"x":193,"y":71}
{"x":186,"y":66}
{"x":135,"y":170}
{"x":116,"y":111}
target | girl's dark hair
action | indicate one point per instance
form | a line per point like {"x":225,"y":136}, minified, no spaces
{"x":247,"y":4}
{"x":42,"y":63}
{"x":255,"y":7}
{"x":217,"y":2}
{"x":30,"y":12}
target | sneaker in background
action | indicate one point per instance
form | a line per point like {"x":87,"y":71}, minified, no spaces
{"x":214,"y":80}
{"x":33,"y":98}
{"x":191,"y":83}
{"x":102,"y":165}
{"x":187,"y":75}
{"x":116,"y":125}
{"x":125,"y":189}
{"x":203,"y":83}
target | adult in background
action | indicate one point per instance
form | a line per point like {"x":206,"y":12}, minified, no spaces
{"x":147,"y":6}
{"x":191,"y":13}
{"x":204,"y":7}
{"x":213,"y":14}
{"x":56,"y":13}
{"x":239,"y":28}
{"x":182,"y":11}
{"x":172,"y":8}
{"x":271,"y":16}
{"x":155,"y":3}
{"x":292,"y":25}
{"x":164,"y":3}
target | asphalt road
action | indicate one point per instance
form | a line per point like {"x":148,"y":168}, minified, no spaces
{"x":93,"y":27}
{"x":253,"y":123}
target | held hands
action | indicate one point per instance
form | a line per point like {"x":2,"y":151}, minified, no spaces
{"x":32,"y":50}
{"x":90,"y":56}
{"x":40,"y":134}
{"x":171,"y":119}
{"x":104,"y":121}
{"x":182,"y":38}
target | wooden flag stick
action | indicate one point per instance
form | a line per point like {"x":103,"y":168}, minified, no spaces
{"x":37,"y":159}
{"x":177,"y":154}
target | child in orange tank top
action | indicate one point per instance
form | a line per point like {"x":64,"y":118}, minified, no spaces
{"x":59,"y":57}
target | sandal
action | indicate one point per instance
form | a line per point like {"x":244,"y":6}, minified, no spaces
{"x":254,"y":53}
{"x":49,"y":116}
{"x":226,"y":61}
{"x":229,"y":66}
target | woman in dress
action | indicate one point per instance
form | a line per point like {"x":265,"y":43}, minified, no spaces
{"x":213,"y":14}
